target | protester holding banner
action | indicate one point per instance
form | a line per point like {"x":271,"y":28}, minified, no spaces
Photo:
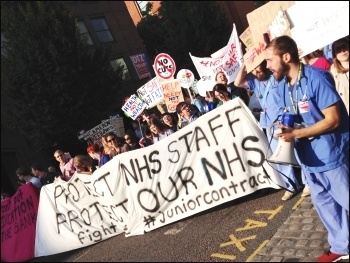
{"x":45,"y":177}
{"x":187,"y":115}
{"x":159,"y":130}
{"x":340,"y":68}
{"x":26,"y":175}
{"x":137,"y":129}
{"x":266,"y":89}
{"x":4,"y":196}
{"x":96,"y":153}
{"x":169,"y":119}
{"x":131,"y":141}
{"x":147,"y":138}
{"x":66,"y":164}
{"x":323,"y":144}
{"x":83,"y":164}
{"x":116,"y":147}
{"x":222,"y":94}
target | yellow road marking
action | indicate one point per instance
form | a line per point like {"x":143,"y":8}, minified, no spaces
{"x":230,"y":257}
{"x":257,"y":251}
{"x":298,"y":203}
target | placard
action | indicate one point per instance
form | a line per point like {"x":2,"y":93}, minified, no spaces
{"x":164,"y":66}
{"x":186,"y":78}
{"x":151,"y":93}
{"x":133,"y":107}
{"x":172,"y":94}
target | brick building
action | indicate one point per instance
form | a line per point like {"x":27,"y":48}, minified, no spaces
{"x":110,"y":23}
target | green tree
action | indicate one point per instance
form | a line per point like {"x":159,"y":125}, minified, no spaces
{"x":183,"y":27}
{"x":57,"y":84}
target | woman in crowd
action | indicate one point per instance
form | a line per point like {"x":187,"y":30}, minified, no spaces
{"x":83,"y":164}
{"x":159,"y":130}
{"x":222,"y":94}
{"x":316,"y":59}
{"x":116,"y":147}
{"x":340,"y":68}
{"x":131,"y":141}
{"x":96,"y":153}
{"x":170,"y":121}
{"x":147,"y":138}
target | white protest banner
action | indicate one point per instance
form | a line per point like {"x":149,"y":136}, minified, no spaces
{"x":329,"y":22}
{"x":151,"y":93}
{"x":133,"y":107}
{"x":140,"y":65}
{"x":172,"y":94}
{"x":186,"y":78}
{"x":94,"y":135}
{"x":229,"y":63}
{"x":205,"y":85}
{"x":218,"y":158}
{"x":164,"y":66}
{"x":71,"y":216}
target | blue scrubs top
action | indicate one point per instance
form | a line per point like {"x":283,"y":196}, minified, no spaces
{"x":316,"y":91}
{"x":268,"y":97}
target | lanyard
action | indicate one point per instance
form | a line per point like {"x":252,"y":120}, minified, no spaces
{"x":267,"y":87}
{"x":295,"y":105}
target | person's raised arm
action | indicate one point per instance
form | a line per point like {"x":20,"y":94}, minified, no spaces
{"x":240,"y":80}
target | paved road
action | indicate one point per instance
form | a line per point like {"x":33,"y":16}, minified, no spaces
{"x":259,"y":227}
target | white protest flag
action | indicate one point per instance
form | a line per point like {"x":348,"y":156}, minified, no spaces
{"x":230,"y":62}
{"x":329,"y":22}
{"x":133,"y":107}
{"x":151,"y":93}
{"x":218,"y":158}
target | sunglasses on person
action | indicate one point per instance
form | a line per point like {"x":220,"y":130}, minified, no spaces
{"x":111,"y":140}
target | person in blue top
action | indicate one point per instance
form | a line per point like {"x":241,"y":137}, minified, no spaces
{"x":265,"y":87}
{"x":96,"y":153}
{"x":322,"y":143}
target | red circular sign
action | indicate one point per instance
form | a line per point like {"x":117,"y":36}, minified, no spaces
{"x":164,"y":66}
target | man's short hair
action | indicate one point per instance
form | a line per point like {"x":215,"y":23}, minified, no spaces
{"x":23,"y":171}
{"x":38,"y":167}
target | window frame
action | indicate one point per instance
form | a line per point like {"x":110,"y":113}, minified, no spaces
{"x":125,"y":73}
{"x":89,"y":40}
{"x":100,"y":32}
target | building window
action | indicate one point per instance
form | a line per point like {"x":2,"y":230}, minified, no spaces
{"x":102,"y":30}
{"x":120,"y":63}
{"x":83,"y":30}
{"x":142,"y":5}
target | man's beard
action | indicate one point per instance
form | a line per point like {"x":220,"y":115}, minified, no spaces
{"x":281,"y":71}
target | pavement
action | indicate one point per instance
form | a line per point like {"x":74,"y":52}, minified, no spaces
{"x":301,"y":238}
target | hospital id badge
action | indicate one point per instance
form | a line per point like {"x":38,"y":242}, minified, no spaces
{"x":303,"y":106}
